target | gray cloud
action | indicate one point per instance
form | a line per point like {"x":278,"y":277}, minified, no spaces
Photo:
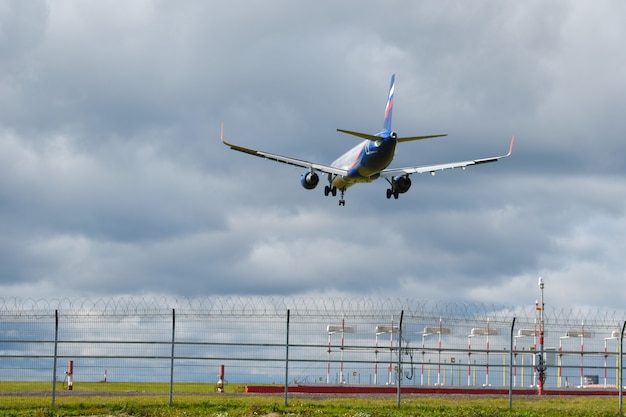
{"x":113,"y":180}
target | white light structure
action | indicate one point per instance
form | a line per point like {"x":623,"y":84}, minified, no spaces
{"x":332,"y":329}
{"x":428,"y":331}
{"x":384,"y":329}
{"x":521,"y":333}
{"x":480,"y":331}
{"x":615,"y":335}
{"x":582,"y":333}
{"x":579,"y":333}
{"x":484,"y":332}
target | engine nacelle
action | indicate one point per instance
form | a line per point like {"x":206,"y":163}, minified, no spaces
{"x":402,"y":184}
{"x":309,"y":180}
{"x":393,"y":135}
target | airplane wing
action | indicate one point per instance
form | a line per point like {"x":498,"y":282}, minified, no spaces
{"x":285,"y":159}
{"x":394,"y":172}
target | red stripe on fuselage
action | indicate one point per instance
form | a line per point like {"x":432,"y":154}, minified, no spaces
{"x":358,"y":156}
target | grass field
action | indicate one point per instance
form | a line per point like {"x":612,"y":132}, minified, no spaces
{"x":120,"y":399}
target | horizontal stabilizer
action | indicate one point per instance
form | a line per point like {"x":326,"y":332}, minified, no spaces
{"x":375,"y":138}
{"x":420,"y":137}
{"x":361,"y":135}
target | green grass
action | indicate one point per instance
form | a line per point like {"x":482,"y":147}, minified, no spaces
{"x":113,"y":399}
{"x":151,"y":387}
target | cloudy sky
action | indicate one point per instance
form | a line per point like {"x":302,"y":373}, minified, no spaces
{"x":113,"y":180}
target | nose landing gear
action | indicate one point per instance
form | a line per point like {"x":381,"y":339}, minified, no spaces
{"x":342,"y":202}
{"x":331,"y":189}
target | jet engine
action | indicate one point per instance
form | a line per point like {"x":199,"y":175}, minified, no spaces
{"x":401,"y":184}
{"x":309,"y":180}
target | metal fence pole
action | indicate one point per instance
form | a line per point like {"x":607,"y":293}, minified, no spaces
{"x":399,"y":372}
{"x":287,"y":363}
{"x":172,"y":356}
{"x":511,"y":365}
{"x":54,"y":363}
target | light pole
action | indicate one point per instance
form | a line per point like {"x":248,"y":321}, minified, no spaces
{"x":429,"y":330}
{"x":541,"y":363}
{"x":614,"y":336}
{"x":482,"y":331}
{"x":343,"y":329}
{"x":385,"y":328}
{"x":582,"y":333}
{"x":521,"y":333}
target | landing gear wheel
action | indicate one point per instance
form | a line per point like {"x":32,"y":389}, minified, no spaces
{"x":392,"y":192}
{"x":342,"y":202}
{"x":330,"y":190}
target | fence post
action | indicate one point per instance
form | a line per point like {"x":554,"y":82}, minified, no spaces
{"x":621,"y":368}
{"x":399,"y":372}
{"x":287,"y":363}
{"x":511,"y":365}
{"x":172,"y":356}
{"x":54,"y":363}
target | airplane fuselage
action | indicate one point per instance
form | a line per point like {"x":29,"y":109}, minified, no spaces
{"x":364,"y":162}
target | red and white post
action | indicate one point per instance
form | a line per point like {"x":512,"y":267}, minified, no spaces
{"x":220,"y":380}
{"x":70,"y":375}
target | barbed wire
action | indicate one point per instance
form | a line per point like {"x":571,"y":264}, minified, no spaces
{"x":307,"y":306}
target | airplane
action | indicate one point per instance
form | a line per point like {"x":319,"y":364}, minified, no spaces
{"x":367,"y":161}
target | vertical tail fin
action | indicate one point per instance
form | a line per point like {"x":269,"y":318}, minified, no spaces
{"x":389,"y":107}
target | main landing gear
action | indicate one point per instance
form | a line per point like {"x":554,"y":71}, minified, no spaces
{"x":331,"y":189}
{"x":399,"y":185}
{"x":392,"y":192}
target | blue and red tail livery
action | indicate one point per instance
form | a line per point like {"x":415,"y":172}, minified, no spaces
{"x":389,"y":106}
{"x":367,"y":161}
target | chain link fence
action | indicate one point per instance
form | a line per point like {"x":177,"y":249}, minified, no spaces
{"x":303,"y":341}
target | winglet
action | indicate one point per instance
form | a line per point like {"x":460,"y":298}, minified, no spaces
{"x":511,"y":147}
{"x":222,"y":138}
